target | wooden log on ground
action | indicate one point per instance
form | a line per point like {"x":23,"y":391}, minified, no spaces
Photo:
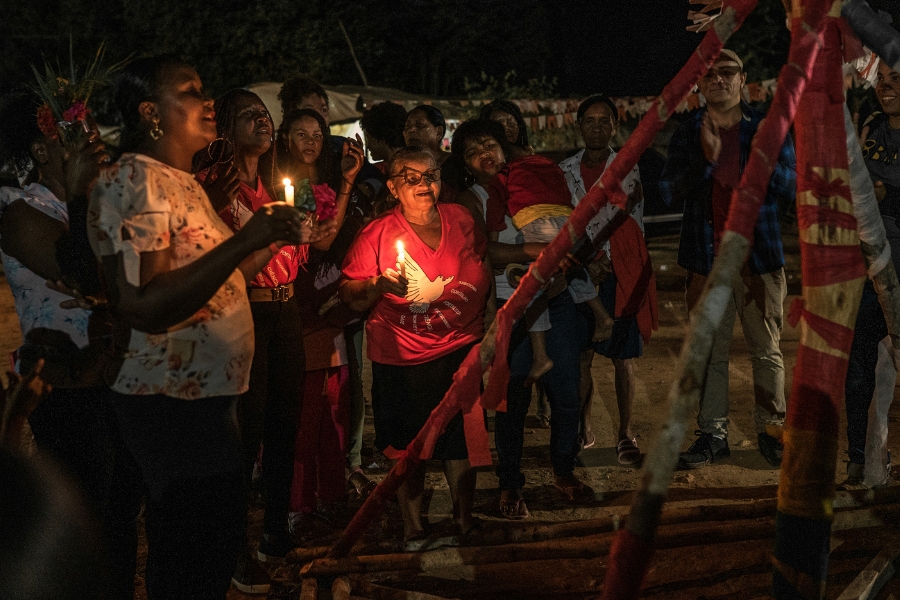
{"x":586,"y":547}
{"x":690,"y":514}
{"x":340,"y":589}
{"x":868,"y":583}
{"x":380,"y":592}
{"x":309,"y":589}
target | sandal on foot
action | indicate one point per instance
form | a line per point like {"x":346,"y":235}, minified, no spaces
{"x":513,"y":509}
{"x":627,"y":452}
{"x":362,"y":485}
{"x":543,"y":421}
{"x":574,"y":490}
{"x":587,"y":440}
{"x":473,"y":535}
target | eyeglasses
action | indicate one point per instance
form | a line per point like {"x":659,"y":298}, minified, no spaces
{"x":413,"y":177}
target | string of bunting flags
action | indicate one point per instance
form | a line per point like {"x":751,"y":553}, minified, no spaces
{"x":556,"y":114}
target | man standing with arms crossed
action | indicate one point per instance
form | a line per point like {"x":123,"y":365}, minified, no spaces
{"x":706,"y":158}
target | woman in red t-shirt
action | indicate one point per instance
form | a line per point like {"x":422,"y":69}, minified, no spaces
{"x":267,"y":412}
{"x":423,"y":321}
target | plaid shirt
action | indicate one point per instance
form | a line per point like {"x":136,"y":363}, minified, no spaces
{"x":688,"y":176}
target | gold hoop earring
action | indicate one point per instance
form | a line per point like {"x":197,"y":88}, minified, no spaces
{"x":156,"y":132}
{"x":220,"y":150}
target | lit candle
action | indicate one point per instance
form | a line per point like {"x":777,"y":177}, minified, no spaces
{"x":401,"y":259}
{"x":288,"y":192}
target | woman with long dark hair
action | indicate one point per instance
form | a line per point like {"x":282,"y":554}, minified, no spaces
{"x":177,"y":281}
{"x":510,"y":117}
{"x":267,"y":412}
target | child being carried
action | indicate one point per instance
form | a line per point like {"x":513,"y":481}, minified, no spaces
{"x":533,"y":191}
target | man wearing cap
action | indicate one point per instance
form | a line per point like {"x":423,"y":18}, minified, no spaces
{"x":706,"y":158}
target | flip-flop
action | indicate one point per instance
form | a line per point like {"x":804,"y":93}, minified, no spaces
{"x":627,"y":452}
{"x":578,"y":493}
{"x":513,"y":510}
{"x":587,"y":440}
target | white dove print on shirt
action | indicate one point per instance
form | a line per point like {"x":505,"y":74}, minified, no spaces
{"x":422,"y":291}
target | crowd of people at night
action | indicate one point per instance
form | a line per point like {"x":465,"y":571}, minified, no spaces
{"x":193,"y":303}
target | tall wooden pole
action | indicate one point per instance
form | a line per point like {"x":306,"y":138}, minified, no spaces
{"x":832,"y":275}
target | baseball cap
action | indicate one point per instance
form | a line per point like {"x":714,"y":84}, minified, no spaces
{"x":729,"y":56}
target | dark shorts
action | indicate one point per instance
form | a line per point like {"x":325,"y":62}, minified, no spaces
{"x":403,"y":398}
{"x":625,"y":341}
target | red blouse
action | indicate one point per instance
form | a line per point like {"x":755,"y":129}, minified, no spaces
{"x":283,"y":267}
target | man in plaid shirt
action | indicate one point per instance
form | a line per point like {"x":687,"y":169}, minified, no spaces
{"x":706,"y":158}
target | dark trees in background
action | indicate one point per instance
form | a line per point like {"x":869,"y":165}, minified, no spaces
{"x":425,"y":46}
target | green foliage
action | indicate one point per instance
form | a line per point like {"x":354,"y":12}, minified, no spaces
{"x":60,"y":89}
{"x":487,"y":87}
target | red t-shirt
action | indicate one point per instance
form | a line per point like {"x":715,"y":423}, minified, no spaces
{"x":282,"y":269}
{"x":522,"y":182}
{"x":726,"y":178}
{"x":444,"y":306}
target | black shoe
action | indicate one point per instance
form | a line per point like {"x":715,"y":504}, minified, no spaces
{"x":770,"y":448}
{"x":706,"y":449}
{"x":274,"y":548}
{"x":250,"y":577}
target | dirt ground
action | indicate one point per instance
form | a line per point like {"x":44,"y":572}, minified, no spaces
{"x":746,"y":475}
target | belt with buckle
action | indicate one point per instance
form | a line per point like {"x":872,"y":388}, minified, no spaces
{"x":282,"y":293}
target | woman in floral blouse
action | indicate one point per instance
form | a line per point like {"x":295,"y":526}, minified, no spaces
{"x":178,"y":282}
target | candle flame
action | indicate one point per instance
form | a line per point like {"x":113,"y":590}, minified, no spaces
{"x":401,"y":256}
{"x":286,"y":182}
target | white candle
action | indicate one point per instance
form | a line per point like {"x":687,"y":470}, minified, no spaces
{"x":288,"y":192}
{"x":401,"y":259}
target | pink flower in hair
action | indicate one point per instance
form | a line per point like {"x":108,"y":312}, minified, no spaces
{"x":326,"y":205}
{"x":76,"y":112}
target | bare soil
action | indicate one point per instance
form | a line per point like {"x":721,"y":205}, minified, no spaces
{"x":744,"y":476}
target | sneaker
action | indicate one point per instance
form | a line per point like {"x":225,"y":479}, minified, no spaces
{"x":250,"y":577}
{"x":706,"y":449}
{"x":770,"y":448}
{"x":274,"y":548}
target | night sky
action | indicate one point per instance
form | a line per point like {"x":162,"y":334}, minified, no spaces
{"x":624,"y":49}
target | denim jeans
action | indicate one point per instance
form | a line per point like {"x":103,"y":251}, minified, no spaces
{"x":870,"y":329}
{"x":570,"y":335}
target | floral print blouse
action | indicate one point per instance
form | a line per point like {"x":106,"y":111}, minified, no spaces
{"x":36,"y":304}
{"x":142,"y":205}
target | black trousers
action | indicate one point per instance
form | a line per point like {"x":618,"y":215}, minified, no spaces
{"x":268,"y":411}
{"x":76,"y":428}
{"x":189,"y":456}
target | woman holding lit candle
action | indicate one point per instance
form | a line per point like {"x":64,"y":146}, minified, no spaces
{"x":267,"y":412}
{"x":420,"y":268}
{"x":177,"y":280}
{"x":321,"y":444}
